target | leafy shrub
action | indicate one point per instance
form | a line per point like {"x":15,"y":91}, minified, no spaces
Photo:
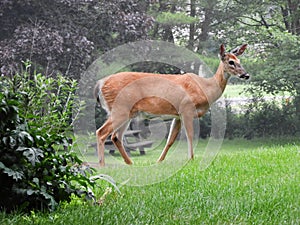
{"x":270,"y":118}
{"x":263,"y":118}
{"x":34,"y":174}
{"x":260,"y":118}
{"x":49,"y":101}
{"x":235,"y":126}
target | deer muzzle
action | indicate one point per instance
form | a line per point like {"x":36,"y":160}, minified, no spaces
{"x":245,"y":76}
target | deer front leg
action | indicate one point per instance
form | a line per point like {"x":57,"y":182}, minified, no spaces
{"x":117,"y":139}
{"x":187,"y":119}
{"x":173,"y":133}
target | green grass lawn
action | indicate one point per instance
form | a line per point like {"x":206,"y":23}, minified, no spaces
{"x":250,"y":182}
{"x":234,"y":91}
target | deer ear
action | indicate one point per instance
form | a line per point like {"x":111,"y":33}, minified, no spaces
{"x":239,"y":50}
{"x":222,"y":51}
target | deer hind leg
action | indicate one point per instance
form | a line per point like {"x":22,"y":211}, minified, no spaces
{"x":174,"y":130}
{"x":101,"y":134}
{"x":104,"y":131}
{"x":117,"y":139}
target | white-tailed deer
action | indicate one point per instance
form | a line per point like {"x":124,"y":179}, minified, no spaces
{"x":185,"y":97}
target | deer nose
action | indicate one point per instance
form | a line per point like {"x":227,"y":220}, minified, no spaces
{"x":245,"y":76}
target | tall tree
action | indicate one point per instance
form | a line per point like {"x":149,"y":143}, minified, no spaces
{"x":291,"y":15}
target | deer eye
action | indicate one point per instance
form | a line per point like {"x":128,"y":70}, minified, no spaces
{"x":231,"y":63}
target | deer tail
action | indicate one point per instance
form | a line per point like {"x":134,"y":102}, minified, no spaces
{"x":97,"y":91}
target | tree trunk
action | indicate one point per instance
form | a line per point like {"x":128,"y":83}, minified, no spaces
{"x":285,"y":14}
{"x":293,"y":16}
{"x":297,"y":106}
{"x":192,"y":26}
{"x":205,"y":25}
{"x":167,"y":33}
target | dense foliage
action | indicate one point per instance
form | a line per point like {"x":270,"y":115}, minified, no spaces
{"x":258,"y":119}
{"x":34,"y":172}
{"x":64,"y":36}
{"x":255,"y":120}
{"x":278,"y":68}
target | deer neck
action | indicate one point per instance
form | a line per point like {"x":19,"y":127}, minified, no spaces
{"x":221,"y":77}
{"x":218,"y":83}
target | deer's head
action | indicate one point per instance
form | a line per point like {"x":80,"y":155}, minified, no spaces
{"x":232,"y":64}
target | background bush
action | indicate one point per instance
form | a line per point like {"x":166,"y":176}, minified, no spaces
{"x":265,"y":118}
{"x":259,"y":118}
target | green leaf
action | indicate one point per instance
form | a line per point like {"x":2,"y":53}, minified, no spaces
{"x":25,"y":136}
{"x":11,"y":173}
{"x":36,"y":181}
{"x":32,"y":154}
{"x":107,"y":178}
{"x":30,"y":192}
